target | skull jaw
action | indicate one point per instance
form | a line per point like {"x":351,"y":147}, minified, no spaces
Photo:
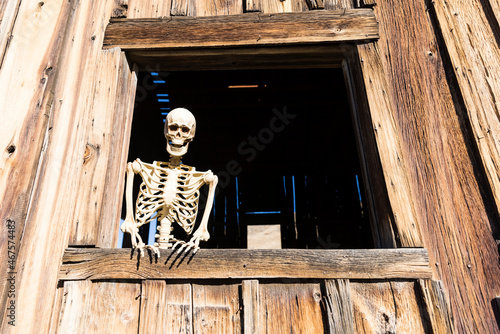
{"x":177,"y":150}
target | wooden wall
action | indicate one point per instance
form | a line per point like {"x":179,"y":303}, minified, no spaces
{"x":432,"y":82}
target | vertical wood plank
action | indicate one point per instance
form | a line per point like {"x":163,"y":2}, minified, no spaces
{"x":213,"y":8}
{"x":56,"y":311}
{"x":449,"y":189}
{"x":55,"y":192}
{"x":294,"y":307}
{"x":100,"y":307}
{"x":386,"y":307}
{"x":77,"y":297}
{"x":165,"y":308}
{"x":100,"y":88}
{"x":437,"y":307}
{"x":251,"y":306}
{"x":26,"y":97}
{"x":339,"y":4}
{"x":276,"y":6}
{"x":216,"y":309}
{"x":381,"y":212}
{"x":392,"y":157}
{"x":116,"y":158}
{"x":339,"y":306}
{"x":472,"y":44}
{"x":148,"y":8}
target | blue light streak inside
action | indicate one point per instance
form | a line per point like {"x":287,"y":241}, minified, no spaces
{"x":163,"y":100}
{"x":263,"y":212}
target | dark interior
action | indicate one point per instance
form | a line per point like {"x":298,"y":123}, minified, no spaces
{"x":281,"y":142}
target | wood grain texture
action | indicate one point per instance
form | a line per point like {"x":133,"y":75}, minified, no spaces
{"x":165,"y":308}
{"x":101,"y":78}
{"x":437,"y":306}
{"x":100,"y":307}
{"x":227,"y":31}
{"x":338,"y":305}
{"x":448,"y":188}
{"x":216,"y":309}
{"x":88,"y":263}
{"x":251,"y":306}
{"x":294,"y":308}
{"x":473,"y":48}
{"x":276,"y":6}
{"x":386,"y":307}
{"x":27,"y":83}
{"x":115,"y":158}
{"x":148,"y":8}
{"x":392,"y":157}
{"x":381,"y":211}
{"x":339,"y":4}
{"x":55,"y":193}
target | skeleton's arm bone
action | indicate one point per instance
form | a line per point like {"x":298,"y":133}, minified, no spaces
{"x":132,"y":168}
{"x":211,"y":180}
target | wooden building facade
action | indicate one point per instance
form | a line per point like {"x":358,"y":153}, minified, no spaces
{"x":423,"y":79}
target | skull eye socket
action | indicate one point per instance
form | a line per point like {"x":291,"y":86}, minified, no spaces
{"x":185,"y":129}
{"x":173,"y":127}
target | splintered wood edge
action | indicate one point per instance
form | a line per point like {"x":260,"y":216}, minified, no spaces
{"x":250,"y":29}
{"x":106,"y":263}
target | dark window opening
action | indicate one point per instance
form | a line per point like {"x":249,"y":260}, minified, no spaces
{"x":281,"y":142}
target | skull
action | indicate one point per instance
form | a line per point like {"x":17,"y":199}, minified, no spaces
{"x":180,"y":127}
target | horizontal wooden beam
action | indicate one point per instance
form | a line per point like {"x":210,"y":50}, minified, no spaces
{"x":250,"y":29}
{"x":98,"y":263}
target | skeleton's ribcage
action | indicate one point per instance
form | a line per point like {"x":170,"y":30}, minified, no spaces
{"x":172,"y":194}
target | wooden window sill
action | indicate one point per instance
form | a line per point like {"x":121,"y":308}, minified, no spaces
{"x":108,"y":263}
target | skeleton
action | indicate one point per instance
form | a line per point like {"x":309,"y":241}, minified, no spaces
{"x":169,"y":191}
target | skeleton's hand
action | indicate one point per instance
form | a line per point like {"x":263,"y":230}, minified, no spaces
{"x":129,"y":226}
{"x":201,"y":234}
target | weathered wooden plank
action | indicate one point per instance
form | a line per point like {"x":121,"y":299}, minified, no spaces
{"x":240,"y":30}
{"x":160,"y":8}
{"x":251,"y":306}
{"x":339,"y":4}
{"x":386,"y":307}
{"x":449,"y":190}
{"x":103,"y":77}
{"x":382,"y":217}
{"x":214,"y":8}
{"x":216,"y":309}
{"x":338,"y":303}
{"x":55,"y":192}
{"x":437,"y":306}
{"x":56,"y":311}
{"x":74,"y":308}
{"x":392,"y":157}
{"x":26,"y":97}
{"x":294,"y":308}
{"x":100,"y":307}
{"x":318,"y":56}
{"x":148,"y":8}
{"x":88,"y":263}
{"x":165,"y":308}
{"x":276,"y":6}
{"x":116,"y":159}
{"x":473,"y":47}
